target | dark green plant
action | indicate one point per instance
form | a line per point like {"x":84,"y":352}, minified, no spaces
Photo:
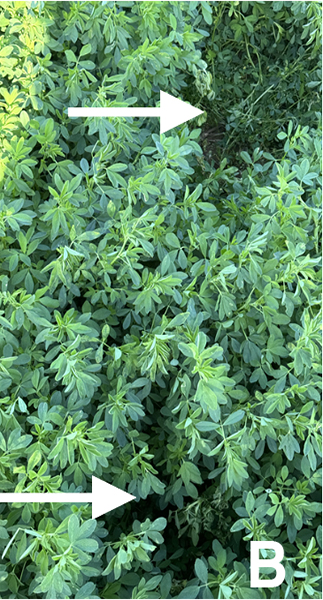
{"x":160,"y":318}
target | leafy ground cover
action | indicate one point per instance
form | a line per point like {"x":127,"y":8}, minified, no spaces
{"x":160,"y":297}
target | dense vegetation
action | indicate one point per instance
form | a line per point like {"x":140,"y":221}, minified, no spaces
{"x":160,"y":297}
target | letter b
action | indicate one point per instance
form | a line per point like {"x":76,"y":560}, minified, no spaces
{"x":275,"y":563}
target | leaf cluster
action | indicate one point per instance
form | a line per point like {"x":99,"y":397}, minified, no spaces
{"x":160,"y":321}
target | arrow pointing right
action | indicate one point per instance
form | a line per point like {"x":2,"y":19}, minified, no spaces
{"x":172,"y":112}
{"x":104,"y":497}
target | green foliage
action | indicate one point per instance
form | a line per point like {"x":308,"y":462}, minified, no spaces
{"x":160,"y":317}
{"x":263,"y":66}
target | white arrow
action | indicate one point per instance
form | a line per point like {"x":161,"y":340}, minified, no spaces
{"x":104,"y":497}
{"x":172,"y":112}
